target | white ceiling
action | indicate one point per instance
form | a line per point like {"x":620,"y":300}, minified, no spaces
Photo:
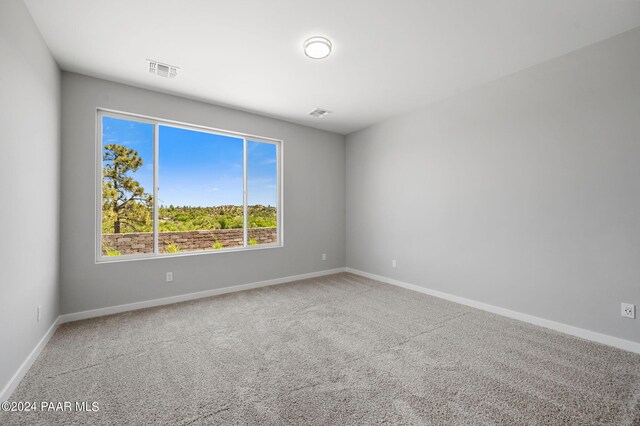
{"x":389,"y":56}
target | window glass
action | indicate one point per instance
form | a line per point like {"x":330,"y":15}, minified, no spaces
{"x":262,"y":192}
{"x":168,"y":188}
{"x":200,"y":201}
{"x":127,"y":187}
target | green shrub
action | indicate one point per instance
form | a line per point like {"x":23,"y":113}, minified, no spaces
{"x":172,"y":248}
{"x":113,"y":252}
{"x":253,"y":242}
{"x":217,"y":245}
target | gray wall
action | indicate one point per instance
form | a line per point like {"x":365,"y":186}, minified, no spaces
{"x":523,"y":193}
{"x":314,"y":205}
{"x":29,"y":186}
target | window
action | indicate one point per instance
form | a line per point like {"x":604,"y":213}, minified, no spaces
{"x":167,"y":188}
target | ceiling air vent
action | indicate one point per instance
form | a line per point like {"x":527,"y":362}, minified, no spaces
{"x":319,"y":113}
{"x":162,"y":70}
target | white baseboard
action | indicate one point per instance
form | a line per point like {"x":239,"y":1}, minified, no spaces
{"x":76,"y":316}
{"x":28,"y":362}
{"x":563,"y":328}
{"x":557,"y":326}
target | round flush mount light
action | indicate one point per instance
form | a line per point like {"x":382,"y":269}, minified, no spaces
{"x":317,"y":47}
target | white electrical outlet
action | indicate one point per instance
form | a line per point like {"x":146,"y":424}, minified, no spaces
{"x":628,"y":310}
{"x":394,"y":263}
{"x":324,"y":256}
{"x":38,"y":314}
{"x":169,"y":277}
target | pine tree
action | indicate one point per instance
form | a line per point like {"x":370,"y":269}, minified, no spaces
{"x":122,"y":196}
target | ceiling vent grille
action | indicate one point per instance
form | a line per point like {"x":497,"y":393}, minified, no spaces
{"x":162,"y":70}
{"x":319,"y":113}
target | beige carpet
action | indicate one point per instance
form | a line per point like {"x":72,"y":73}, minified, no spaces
{"x":334,"y":350}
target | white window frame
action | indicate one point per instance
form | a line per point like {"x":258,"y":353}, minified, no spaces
{"x":157,"y":122}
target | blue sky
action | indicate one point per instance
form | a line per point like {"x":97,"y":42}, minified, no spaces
{"x":197,"y":168}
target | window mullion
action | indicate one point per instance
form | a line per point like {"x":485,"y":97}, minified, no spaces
{"x":156,"y":144}
{"x":245,"y":197}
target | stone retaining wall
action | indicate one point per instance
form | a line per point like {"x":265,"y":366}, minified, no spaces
{"x":142,"y":242}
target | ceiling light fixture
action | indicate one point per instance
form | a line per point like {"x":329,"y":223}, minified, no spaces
{"x":317,"y":47}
